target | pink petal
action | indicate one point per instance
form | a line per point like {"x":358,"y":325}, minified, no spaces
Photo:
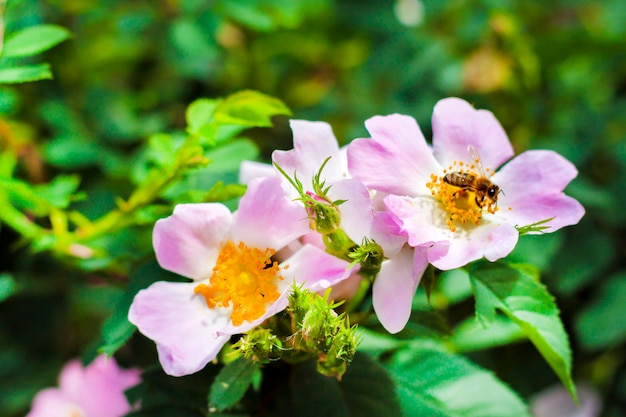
{"x":356,"y":212}
{"x":490,"y":240}
{"x":315,"y":268}
{"x":396,"y":159}
{"x":421,"y":218}
{"x":181,"y":324}
{"x":556,"y":401}
{"x":456,"y":124}
{"x":532,"y":185}
{"x":71,"y":380}
{"x":534,"y":172}
{"x":387,"y":233}
{"x":313,"y":142}
{"x":564,"y":210}
{"x":395,"y":287}
{"x":188,"y":242}
{"x":52,"y":402}
{"x":249,"y":170}
{"x":103,"y":388}
{"x":266,"y":218}
{"x":346,"y":289}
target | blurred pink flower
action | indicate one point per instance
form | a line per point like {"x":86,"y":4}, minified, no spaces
{"x":556,"y":402}
{"x":236,"y":283}
{"x":456,"y":225}
{"x":94,"y":391}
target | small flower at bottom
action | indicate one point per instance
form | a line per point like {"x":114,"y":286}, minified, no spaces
{"x":237,"y":284}
{"x":96,"y":390}
{"x":452,"y":201}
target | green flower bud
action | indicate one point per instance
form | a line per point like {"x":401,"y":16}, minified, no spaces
{"x":260,"y":345}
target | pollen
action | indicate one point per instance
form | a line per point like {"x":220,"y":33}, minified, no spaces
{"x":459,"y":203}
{"x":243,"y":278}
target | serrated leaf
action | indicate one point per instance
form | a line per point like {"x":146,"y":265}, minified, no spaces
{"x":231,"y":384}
{"x":364,"y":391}
{"x":249,"y":108}
{"x":25,"y":73}
{"x":470,"y":335}
{"x":529,"y":304}
{"x":430,"y":382}
{"x":34,"y":40}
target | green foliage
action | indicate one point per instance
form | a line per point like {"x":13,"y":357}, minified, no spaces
{"x":431,"y":382}
{"x":597,"y":326}
{"x":231,"y":384}
{"x":25,"y":73}
{"x":91,"y":159}
{"x":34,"y":40}
{"x":25,"y":43}
{"x":515,"y":291}
{"x":162,"y":395}
{"x":7,"y":286}
{"x":364,"y":391}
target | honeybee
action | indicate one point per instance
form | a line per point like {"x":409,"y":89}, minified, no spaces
{"x":486,"y":191}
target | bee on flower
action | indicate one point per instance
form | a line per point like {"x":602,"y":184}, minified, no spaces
{"x":461,"y":200}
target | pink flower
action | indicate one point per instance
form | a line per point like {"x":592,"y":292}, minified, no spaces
{"x":236,"y":283}
{"x":94,"y":391}
{"x":453,"y":222}
{"x":402,"y":269}
{"x":557,"y":401}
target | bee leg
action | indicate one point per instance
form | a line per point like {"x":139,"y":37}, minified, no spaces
{"x":458,"y":193}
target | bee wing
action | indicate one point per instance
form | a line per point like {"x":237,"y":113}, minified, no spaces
{"x":476,"y":160}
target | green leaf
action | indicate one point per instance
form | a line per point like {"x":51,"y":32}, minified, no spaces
{"x":25,"y":73}
{"x":166,"y":396}
{"x":365,"y":390}
{"x":452,"y":287}
{"x":516,"y":292}
{"x":34,"y":40}
{"x":8,"y":287}
{"x":200,"y":112}
{"x":430,"y":382}
{"x":249,"y":108}
{"x":61,"y":191}
{"x":597,"y":326}
{"x":470,"y":335}
{"x":231,"y":384}
{"x":224,"y":166}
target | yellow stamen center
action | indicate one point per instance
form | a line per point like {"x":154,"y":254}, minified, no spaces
{"x":243,"y":278}
{"x":460,"y":204}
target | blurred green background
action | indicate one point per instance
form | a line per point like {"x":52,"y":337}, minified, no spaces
{"x":553,"y":73}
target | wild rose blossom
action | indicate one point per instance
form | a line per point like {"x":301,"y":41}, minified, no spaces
{"x":96,"y":390}
{"x":401,"y":271}
{"x":236,"y":283}
{"x":456,"y":225}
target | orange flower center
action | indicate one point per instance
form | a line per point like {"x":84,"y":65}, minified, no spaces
{"x":243,"y":278}
{"x":460,"y":195}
